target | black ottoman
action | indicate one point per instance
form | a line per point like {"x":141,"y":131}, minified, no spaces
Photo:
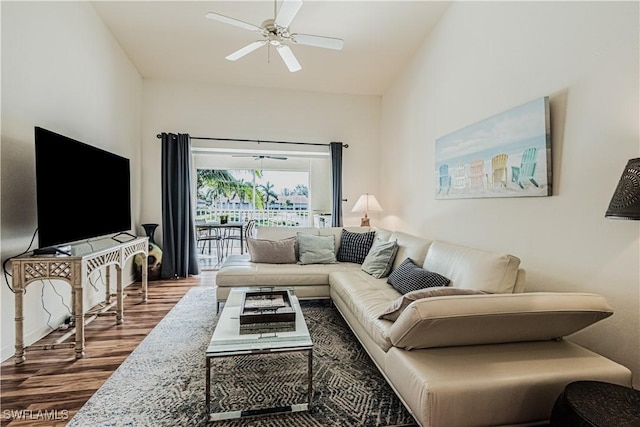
{"x":594,"y":403}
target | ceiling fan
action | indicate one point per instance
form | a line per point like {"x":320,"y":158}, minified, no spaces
{"x":275,"y":32}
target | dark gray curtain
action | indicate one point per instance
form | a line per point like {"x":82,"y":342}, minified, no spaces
{"x":179,"y":258}
{"x":335,"y":148}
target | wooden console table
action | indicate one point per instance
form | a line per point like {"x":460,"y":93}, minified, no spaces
{"x":83,"y":259}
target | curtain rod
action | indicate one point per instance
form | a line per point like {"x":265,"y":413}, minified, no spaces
{"x":259,"y":141}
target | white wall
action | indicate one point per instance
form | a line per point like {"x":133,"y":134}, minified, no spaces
{"x":266,"y":114}
{"x":487,"y":57}
{"x":62,"y":70}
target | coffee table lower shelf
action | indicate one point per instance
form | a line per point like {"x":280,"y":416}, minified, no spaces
{"x":229,"y":415}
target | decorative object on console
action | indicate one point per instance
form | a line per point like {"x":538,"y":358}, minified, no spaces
{"x":507,"y":155}
{"x":625,"y":202}
{"x":410,"y":277}
{"x":150,"y":230}
{"x":354,"y":247}
{"x":366,"y":203}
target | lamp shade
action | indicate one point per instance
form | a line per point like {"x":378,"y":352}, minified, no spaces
{"x":625,"y":203}
{"x":367,"y":203}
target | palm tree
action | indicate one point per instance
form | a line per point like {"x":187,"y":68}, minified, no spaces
{"x":268,"y":192}
{"x":213,"y":184}
{"x":303,"y":190}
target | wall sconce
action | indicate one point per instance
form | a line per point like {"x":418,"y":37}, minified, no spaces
{"x":625,"y":203}
{"x":366,"y":203}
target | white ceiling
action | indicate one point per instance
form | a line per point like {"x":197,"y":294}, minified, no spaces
{"x":173,"y":40}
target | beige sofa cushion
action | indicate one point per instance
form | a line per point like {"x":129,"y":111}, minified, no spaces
{"x":495,"y":318}
{"x":398,"y":305}
{"x":409,"y":246}
{"x":364,"y":297}
{"x":473,"y":268}
{"x":493,"y":385}
{"x":239,"y":271}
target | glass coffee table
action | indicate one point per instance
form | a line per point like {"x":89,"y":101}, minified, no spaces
{"x":228,"y":341}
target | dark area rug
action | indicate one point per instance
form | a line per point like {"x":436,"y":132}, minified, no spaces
{"x":162,"y":382}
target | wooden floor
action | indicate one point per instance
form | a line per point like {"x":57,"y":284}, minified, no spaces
{"x":52,"y":385}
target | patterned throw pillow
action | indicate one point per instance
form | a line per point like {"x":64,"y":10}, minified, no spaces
{"x":354,"y":247}
{"x":409,"y":277}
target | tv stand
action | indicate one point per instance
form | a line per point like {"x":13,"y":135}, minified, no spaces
{"x":123,"y":233}
{"x":52,"y":250}
{"x":75,"y":268}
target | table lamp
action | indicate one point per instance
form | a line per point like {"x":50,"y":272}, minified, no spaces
{"x":366,"y":203}
{"x":625,"y":203}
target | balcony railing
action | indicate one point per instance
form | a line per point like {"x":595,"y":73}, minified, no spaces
{"x":268,"y":217}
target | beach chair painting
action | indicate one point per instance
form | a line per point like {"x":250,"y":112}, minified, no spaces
{"x":506,"y":155}
{"x":445,"y":179}
{"x":477,"y":175}
{"x":526,"y":171}
{"x":499,"y":170}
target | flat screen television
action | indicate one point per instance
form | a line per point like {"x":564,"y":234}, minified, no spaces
{"x":83,"y":192}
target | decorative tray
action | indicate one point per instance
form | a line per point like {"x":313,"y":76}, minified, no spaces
{"x":266,"y":307}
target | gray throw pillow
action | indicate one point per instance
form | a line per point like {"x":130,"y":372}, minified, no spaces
{"x":379,"y":260}
{"x":314,"y":249}
{"x":272,"y":251}
{"x":396,"y":308}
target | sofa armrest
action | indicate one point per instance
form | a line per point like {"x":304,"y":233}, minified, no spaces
{"x":495,"y":318}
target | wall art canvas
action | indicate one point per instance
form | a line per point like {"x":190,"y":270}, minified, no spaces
{"x":507,"y":155}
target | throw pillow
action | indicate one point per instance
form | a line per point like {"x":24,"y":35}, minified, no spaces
{"x":397,"y":306}
{"x":379,"y":260}
{"x":409,"y":277}
{"x":316,"y":249}
{"x":272,"y":251}
{"x":354,"y":247}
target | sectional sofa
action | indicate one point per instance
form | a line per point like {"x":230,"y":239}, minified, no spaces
{"x":478,"y":352}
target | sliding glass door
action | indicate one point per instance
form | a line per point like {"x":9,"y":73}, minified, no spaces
{"x":270,"y":197}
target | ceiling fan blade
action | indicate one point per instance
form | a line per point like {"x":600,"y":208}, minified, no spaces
{"x":232,"y":21}
{"x":289,"y":58}
{"x":245,"y":50}
{"x":287,"y":12}
{"x":318,"y":41}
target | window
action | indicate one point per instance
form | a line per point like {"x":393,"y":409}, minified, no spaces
{"x":271,"y":197}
